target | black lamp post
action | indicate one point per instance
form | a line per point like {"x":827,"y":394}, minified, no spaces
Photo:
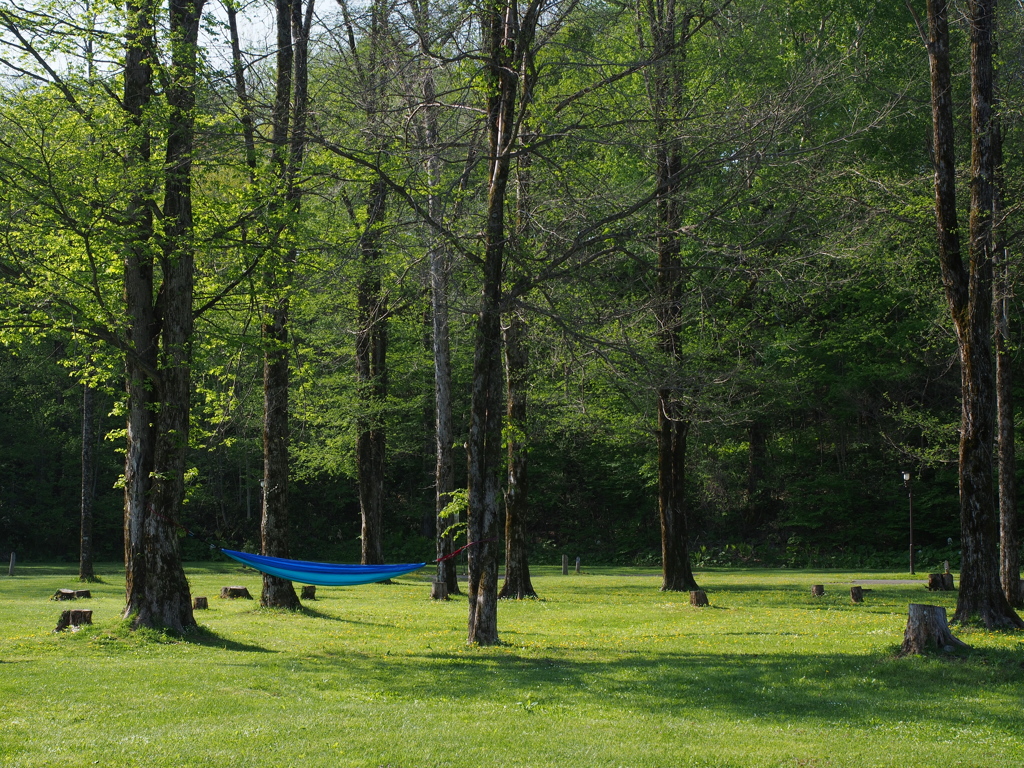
{"x":910,"y":502}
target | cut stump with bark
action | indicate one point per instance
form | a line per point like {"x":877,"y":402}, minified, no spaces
{"x":71,"y":594}
{"x":928,"y":630}
{"x":857,"y":594}
{"x":698,"y":598}
{"x":200,"y":604}
{"x":308,"y":592}
{"x":935,"y":582}
{"x":818,"y":590}
{"x":231,"y":593}
{"x":947,"y":582}
{"x":73,"y":619}
{"x":438,"y":590}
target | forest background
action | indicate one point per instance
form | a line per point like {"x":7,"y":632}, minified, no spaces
{"x":816,"y":359}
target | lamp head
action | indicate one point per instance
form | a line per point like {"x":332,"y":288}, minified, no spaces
{"x":906,"y":476}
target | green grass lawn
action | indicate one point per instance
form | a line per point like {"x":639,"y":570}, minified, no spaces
{"x":604,"y":670}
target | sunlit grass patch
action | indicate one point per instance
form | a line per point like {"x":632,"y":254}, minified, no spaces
{"x":603,"y":670}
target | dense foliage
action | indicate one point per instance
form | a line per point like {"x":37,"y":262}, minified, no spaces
{"x":816,"y":363}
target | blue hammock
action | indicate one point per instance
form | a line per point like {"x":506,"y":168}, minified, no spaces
{"x":322,"y":574}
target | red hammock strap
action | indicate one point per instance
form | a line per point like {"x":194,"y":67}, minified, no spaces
{"x":460,"y":549}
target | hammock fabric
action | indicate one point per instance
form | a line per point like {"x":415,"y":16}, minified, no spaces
{"x":322,"y":574}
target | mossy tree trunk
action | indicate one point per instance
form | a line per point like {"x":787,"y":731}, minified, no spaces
{"x":969,"y":296}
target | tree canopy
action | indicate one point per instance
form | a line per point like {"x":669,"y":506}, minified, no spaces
{"x":679,"y":259}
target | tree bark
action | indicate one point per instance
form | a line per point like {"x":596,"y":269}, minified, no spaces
{"x":517,"y":585}
{"x":85,"y":564}
{"x":928,"y":630}
{"x":1009,"y":544}
{"x":440,"y":271}
{"x":666,"y":34}
{"x":287,"y":144}
{"x":515,"y":338}
{"x":241,"y":91}
{"x":499,"y":21}
{"x":159,"y":332}
{"x":969,"y":295}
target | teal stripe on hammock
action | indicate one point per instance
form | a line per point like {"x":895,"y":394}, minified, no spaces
{"x":322,"y":574}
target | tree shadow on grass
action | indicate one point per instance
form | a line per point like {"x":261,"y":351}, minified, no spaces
{"x":314,"y":613}
{"x":207,"y":638}
{"x":858,"y":690}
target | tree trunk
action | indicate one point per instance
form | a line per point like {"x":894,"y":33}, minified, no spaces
{"x":440,"y":270}
{"x":484,"y":456}
{"x":928,"y":630}
{"x":969,"y":294}
{"x":505,"y":35}
{"x":141,"y":361}
{"x":517,"y":568}
{"x":288,"y":142}
{"x":484,"y":444}
{"x":515,"y":336}
{"x":371,"y":380}
{"x":1009,"y":545}
{"x":85,"y":565}
{"x":277,"y":592}
{"x":665,"y":32}
{"x":444,"y":471}
{"x":677,"y":575}
{"x":160,"y":334}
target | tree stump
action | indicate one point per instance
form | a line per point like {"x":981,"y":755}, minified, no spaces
{"x":73,"y":618}
{"x":200,"y":604}
{"x":230,"y":593}
{"x":438,"y":590}
{"x":857,"y":594}
{"x":565,"y":565}
{"x":947,"y":582}
{"x":818,"y":590}
{"x":928,"y":629}
{"x":935,"y":582}
{"x":308,"y":592}
{"x":71,"y":594}
{"x":698,"y":598}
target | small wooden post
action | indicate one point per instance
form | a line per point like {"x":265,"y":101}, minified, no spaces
{"x":200,"y":603}
{"x":73,"y":618}
{"x":10,"y":570}
{"x":945,"y":566}
{"x":818,"y":590}
{"x":565,"y":565}
{"x":857,"y":593}
{"x":698,"y":598}
{"x":439,"y":590}
{"x":577,"y":565}
{"x":230,"y":593}
{"x":308,"y":592}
